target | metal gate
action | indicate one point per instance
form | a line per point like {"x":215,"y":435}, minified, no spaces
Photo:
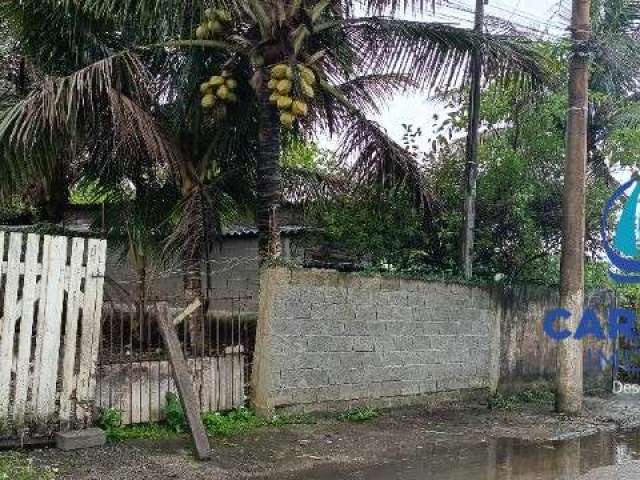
{"x":134,"y":374}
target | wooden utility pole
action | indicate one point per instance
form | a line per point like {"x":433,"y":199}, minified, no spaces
{"x":471,"y":170}
{"x":569,"y":370}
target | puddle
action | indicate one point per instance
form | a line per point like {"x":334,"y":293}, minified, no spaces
{"x":506,"y":459}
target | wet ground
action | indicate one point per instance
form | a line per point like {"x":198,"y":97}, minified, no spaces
{"x":454,"y":444}
{"x":598,"y":457}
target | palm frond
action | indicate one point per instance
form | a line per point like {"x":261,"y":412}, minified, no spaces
{"x":74,"y":37}
{"x":63,"y":111}
{"x":391,"y":6}
{"x":302,"y":186}
{"x":438,"y":55}
{"x":379,"y":160}
{"x":369,"y":92}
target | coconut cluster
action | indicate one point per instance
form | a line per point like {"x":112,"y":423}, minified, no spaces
{"x":215,"y":23}
{"x":289,"y":89}
{"x":219,"y":89}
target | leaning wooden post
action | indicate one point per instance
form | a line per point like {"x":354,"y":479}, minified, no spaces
{"x":184,"y":382}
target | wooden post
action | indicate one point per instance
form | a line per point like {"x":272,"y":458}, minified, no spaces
{"x":569,"y":376}
{"x":184,"y":382}
{"x":471,"y":170}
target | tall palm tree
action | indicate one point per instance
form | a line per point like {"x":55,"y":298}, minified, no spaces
{"x":615,"y":81}
{"x":358,"y":61}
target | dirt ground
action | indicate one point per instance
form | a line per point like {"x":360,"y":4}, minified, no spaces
{"x":288,"y":452}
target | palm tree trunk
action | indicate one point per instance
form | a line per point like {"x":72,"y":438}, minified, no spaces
{"x":192,"y":292}
{"x":192,"y":278}
{"x":268,"y":180}
{"x":569,"y":357}
{"x":141,"y":290}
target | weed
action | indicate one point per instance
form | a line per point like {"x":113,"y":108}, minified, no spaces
{"x":236,"y":421}
{"x":110,"y":421}
{"x":144,"y":431}
{"x":15,"y":466}
{"x":293,"y":419}
{"x":174,"y":414}
{"x":362,"y":414}
{"x":537,"y":396}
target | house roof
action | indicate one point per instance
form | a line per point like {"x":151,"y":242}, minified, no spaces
{"x":252,"y":230}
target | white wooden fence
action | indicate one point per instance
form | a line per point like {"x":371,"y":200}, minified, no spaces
{"x":51,"y":303}
{"x":139,"y":389}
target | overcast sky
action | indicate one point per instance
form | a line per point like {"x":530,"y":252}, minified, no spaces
{"x":539,"y":17}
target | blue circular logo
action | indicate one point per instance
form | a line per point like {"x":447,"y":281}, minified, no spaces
{"x":623,"y":254}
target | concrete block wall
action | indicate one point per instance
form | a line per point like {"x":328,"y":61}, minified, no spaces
{"x":329,"y":340}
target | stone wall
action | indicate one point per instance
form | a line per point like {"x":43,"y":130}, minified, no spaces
{"x":328,"y":340}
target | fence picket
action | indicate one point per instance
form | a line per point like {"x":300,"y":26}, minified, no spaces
{"x":9,"y":319}
{"x":42,"y":303}
{"x":29,"y":297}
{"x":90,"y":336}
{"x":50,"y":340}
{"x":74,"y":298}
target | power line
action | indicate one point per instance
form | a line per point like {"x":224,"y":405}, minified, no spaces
{"x":525,"y":22}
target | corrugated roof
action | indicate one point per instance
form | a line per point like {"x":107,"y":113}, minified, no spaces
{"x":251,"y":230}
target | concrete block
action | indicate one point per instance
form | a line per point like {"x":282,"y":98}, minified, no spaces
{"x":80,"y":439}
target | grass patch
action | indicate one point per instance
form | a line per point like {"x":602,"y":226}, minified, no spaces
{"x":110,"y":421}
{"x":362,"y":414}
{"x":241,"y":420}
{"x":537,"y":396}
{"x":15,"y":466}
{"x":244,"y":420}
{"x":143,"y":431}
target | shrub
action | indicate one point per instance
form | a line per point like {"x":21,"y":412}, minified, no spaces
{"x":174,"y":414}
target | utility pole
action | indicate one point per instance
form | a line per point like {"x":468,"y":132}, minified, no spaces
{"x":569,"y":370}
{"x":471,"y":170}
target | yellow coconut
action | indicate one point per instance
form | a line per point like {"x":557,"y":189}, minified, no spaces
{"x":231,"y":83}
{"x":223,"y":92}
{"x":284,"y":87}
{"x":307,"y":90}
{"x":208,"y":101}
{"x":280,"y":72}
{"x":205,"y":88}
{"x":284,"y":102}
{"x":287,"y":119}
{"x":216,"y":81}
{"x":274,"y":98}
{"x":273,"y":83}
{"x":308,"y":76}
{"x":299,"y":108}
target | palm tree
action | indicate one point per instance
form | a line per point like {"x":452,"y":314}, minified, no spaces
{"x":108,"y":107}
{"x":614,"y":83}
{"x":346,"y":53}
{"x":133,"y":91}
